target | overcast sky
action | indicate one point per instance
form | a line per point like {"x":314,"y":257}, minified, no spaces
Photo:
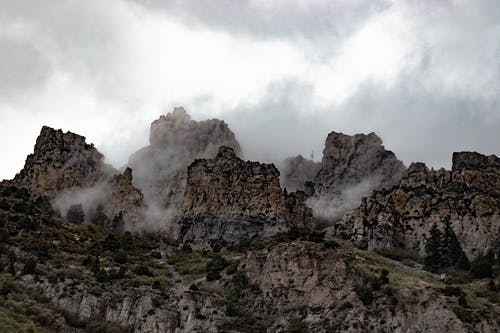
{"x":424,"y":75}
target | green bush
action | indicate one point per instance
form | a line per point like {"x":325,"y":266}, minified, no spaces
{"x":155,"y":254}
{"x":120,"y":258}
{"x":365,"y":293}
{"x":482,"y":266}
{"x":143,"y":270}
{"x":29,"y":266}
{"x":214,"y":267}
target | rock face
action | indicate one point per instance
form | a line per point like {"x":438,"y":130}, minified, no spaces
{"x":61,"y":161}
{"x":69,"y":171}
{"x":175,"y":141}
{"x":304,"y":280}
{"x":125,"y":201}
{"x":297,"y":171}
{"x":402,"y":216}
{"x":352,"y":167}
{"x":227,"y":198}
{"x":135,"y":308}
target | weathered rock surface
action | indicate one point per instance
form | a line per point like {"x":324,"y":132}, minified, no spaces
{"x":69,"y":171}
{"x":175,"y":141}
{"x":402,"y":216}
{"x":141,"y":309}
{"x":227,"y":198}
{"x":352,"y":167}
{"x":62,"y":161}
{"x":318,"y":285}
{"x":125,"y":201}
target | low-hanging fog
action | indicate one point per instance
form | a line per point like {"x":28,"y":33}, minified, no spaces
{"x":423,"y":75}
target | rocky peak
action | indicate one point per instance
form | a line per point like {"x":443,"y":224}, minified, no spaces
{"x":176,"y":140}
{"x":62,"y":161}
{"x":349,"y":159}
{"x":227,"y":198}
{"x":352,"y":167}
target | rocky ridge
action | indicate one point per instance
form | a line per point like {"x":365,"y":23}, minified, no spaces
{"x":227,"y":198}
{"x":401,"y":216}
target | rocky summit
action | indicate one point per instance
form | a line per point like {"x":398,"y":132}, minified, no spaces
{"x":62,"y":161}
{"x":468,"y":197}
{"x":227,"y":198}
{"x":189,"y":237}
{"x":175,"y":141}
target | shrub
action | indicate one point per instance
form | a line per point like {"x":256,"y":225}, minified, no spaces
{"x":143,"y":270}
{"x":482,"y":266}
{"x":492,"y":286}
{"x":366,"y":295}
{"x":27,"y":222}
{"x":452,"y":291}
{"x":384,"y":276}
{"x":155,"y":254}
{"x":388,"y":291}
{"x":233,"y":268}
{"x":29,"y":266}
{"x":462,"y":300}
{"x":120,"y":258}
{"x":214,"y":267}
{"x":297,"y":326}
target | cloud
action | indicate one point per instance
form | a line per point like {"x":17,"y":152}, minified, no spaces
{"x":424,"y":75}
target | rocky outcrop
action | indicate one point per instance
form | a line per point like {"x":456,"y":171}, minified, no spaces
{"x":227,"y":198}
{"x":352,"y":167}
{"x":141,"y":309}
{"x":318,"y":285}
{"x":125,"y":201}
{"x":69,"y":171}
{"x":297,"y":172}
{"x":175,"y":141}
{"x":62,"y":161}
{"x":468,"y":195}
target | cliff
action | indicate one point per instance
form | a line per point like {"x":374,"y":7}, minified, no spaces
{"x":227,"y":198}
{"x":468,"y":195}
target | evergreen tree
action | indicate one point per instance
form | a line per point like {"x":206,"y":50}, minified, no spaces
{"x":432,"y":259}
{"x":452,"y":255}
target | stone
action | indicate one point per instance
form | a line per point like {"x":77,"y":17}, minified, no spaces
{"x":175,"y":141}
{"x":227,"y":198}
{"x":62,"y":161}
{"x":468,"y":195}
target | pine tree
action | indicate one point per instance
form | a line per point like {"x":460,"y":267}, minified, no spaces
{"x":452,"y":255}
{"x":432,"y":259}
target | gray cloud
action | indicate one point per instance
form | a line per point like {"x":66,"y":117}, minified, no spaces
{"x":424,"y":75}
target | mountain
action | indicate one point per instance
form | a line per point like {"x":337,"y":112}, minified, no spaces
{"x":355,"y":243}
